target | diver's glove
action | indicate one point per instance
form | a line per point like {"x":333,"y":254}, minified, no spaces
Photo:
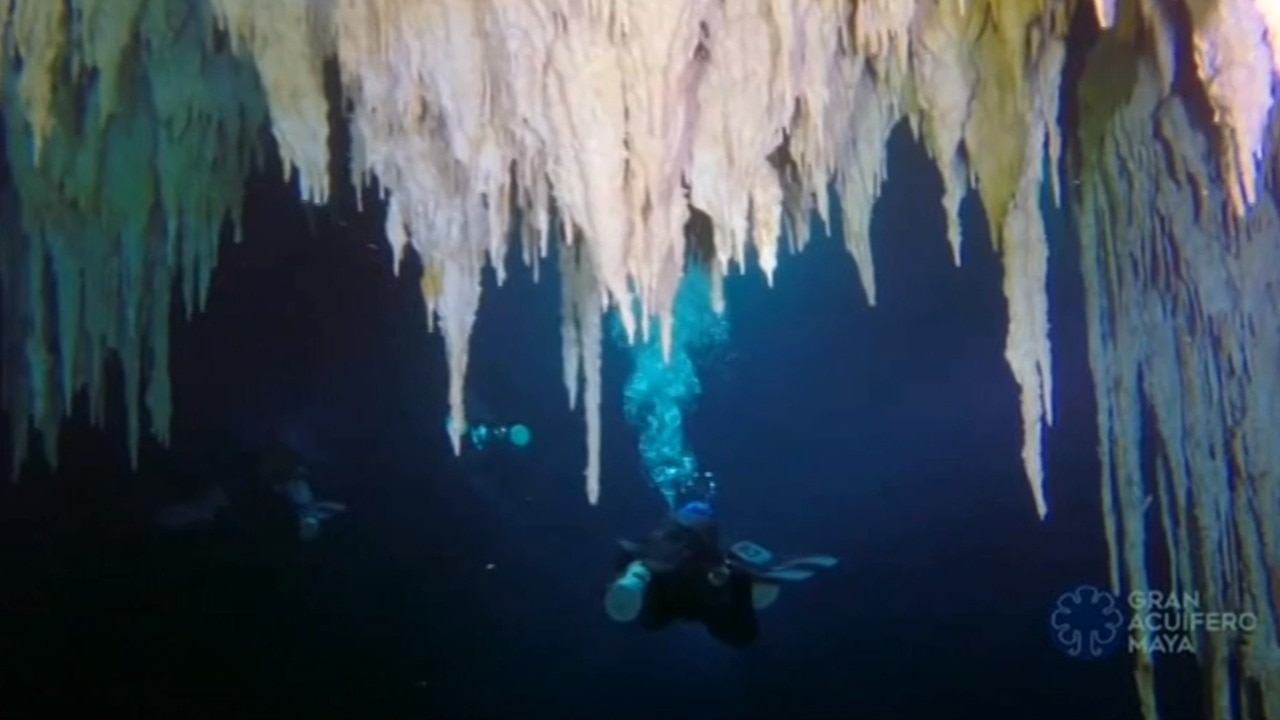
{"x":624,"y":599}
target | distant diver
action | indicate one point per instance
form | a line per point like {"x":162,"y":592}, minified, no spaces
{"x":481,"y":435}
{"x":311,"y":513}
{"x":679,"y":573}
{"x":496,"y":459}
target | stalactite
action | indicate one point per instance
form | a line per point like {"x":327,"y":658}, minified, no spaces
{"x":1234,"y":61}
{"x":460,"y":109}
{"x":944,"y":88}
{"x":743,"y":109}
{"x":625,"y":105}
{"x":102,"y":160}
{"x":1179,"y":293}
{"x":288,"y":41}
{"x":570,"y":340}
{"x":582,"y":332}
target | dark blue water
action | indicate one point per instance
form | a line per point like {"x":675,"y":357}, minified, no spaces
{"x":887,"y":437}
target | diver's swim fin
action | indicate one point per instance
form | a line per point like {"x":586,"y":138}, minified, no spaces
{"x":793,"y":569}
{"x":786,"y":575}
{"x":326,"y":509}
{"x":822,"y":561}
{"x":751,"y":553}
{"x":764,"y":594}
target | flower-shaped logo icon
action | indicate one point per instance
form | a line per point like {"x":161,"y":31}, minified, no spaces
{"x":1086,"y":623}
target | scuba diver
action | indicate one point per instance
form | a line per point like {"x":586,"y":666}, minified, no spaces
{"x":275,"y":492}
{"x":310,"y":513}
{"x":489,"y":432}
{"x":482,"y":434}
{"x":284,"y":469}
{"x":496,"y":465}
{"x":680,"y":573}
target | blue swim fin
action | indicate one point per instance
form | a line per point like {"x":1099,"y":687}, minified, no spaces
{"x":821,"y":561}
{"x":786,"y":575}
{"x":771,"y":567}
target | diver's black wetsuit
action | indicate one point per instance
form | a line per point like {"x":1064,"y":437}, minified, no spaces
{"x":692,"y":580}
